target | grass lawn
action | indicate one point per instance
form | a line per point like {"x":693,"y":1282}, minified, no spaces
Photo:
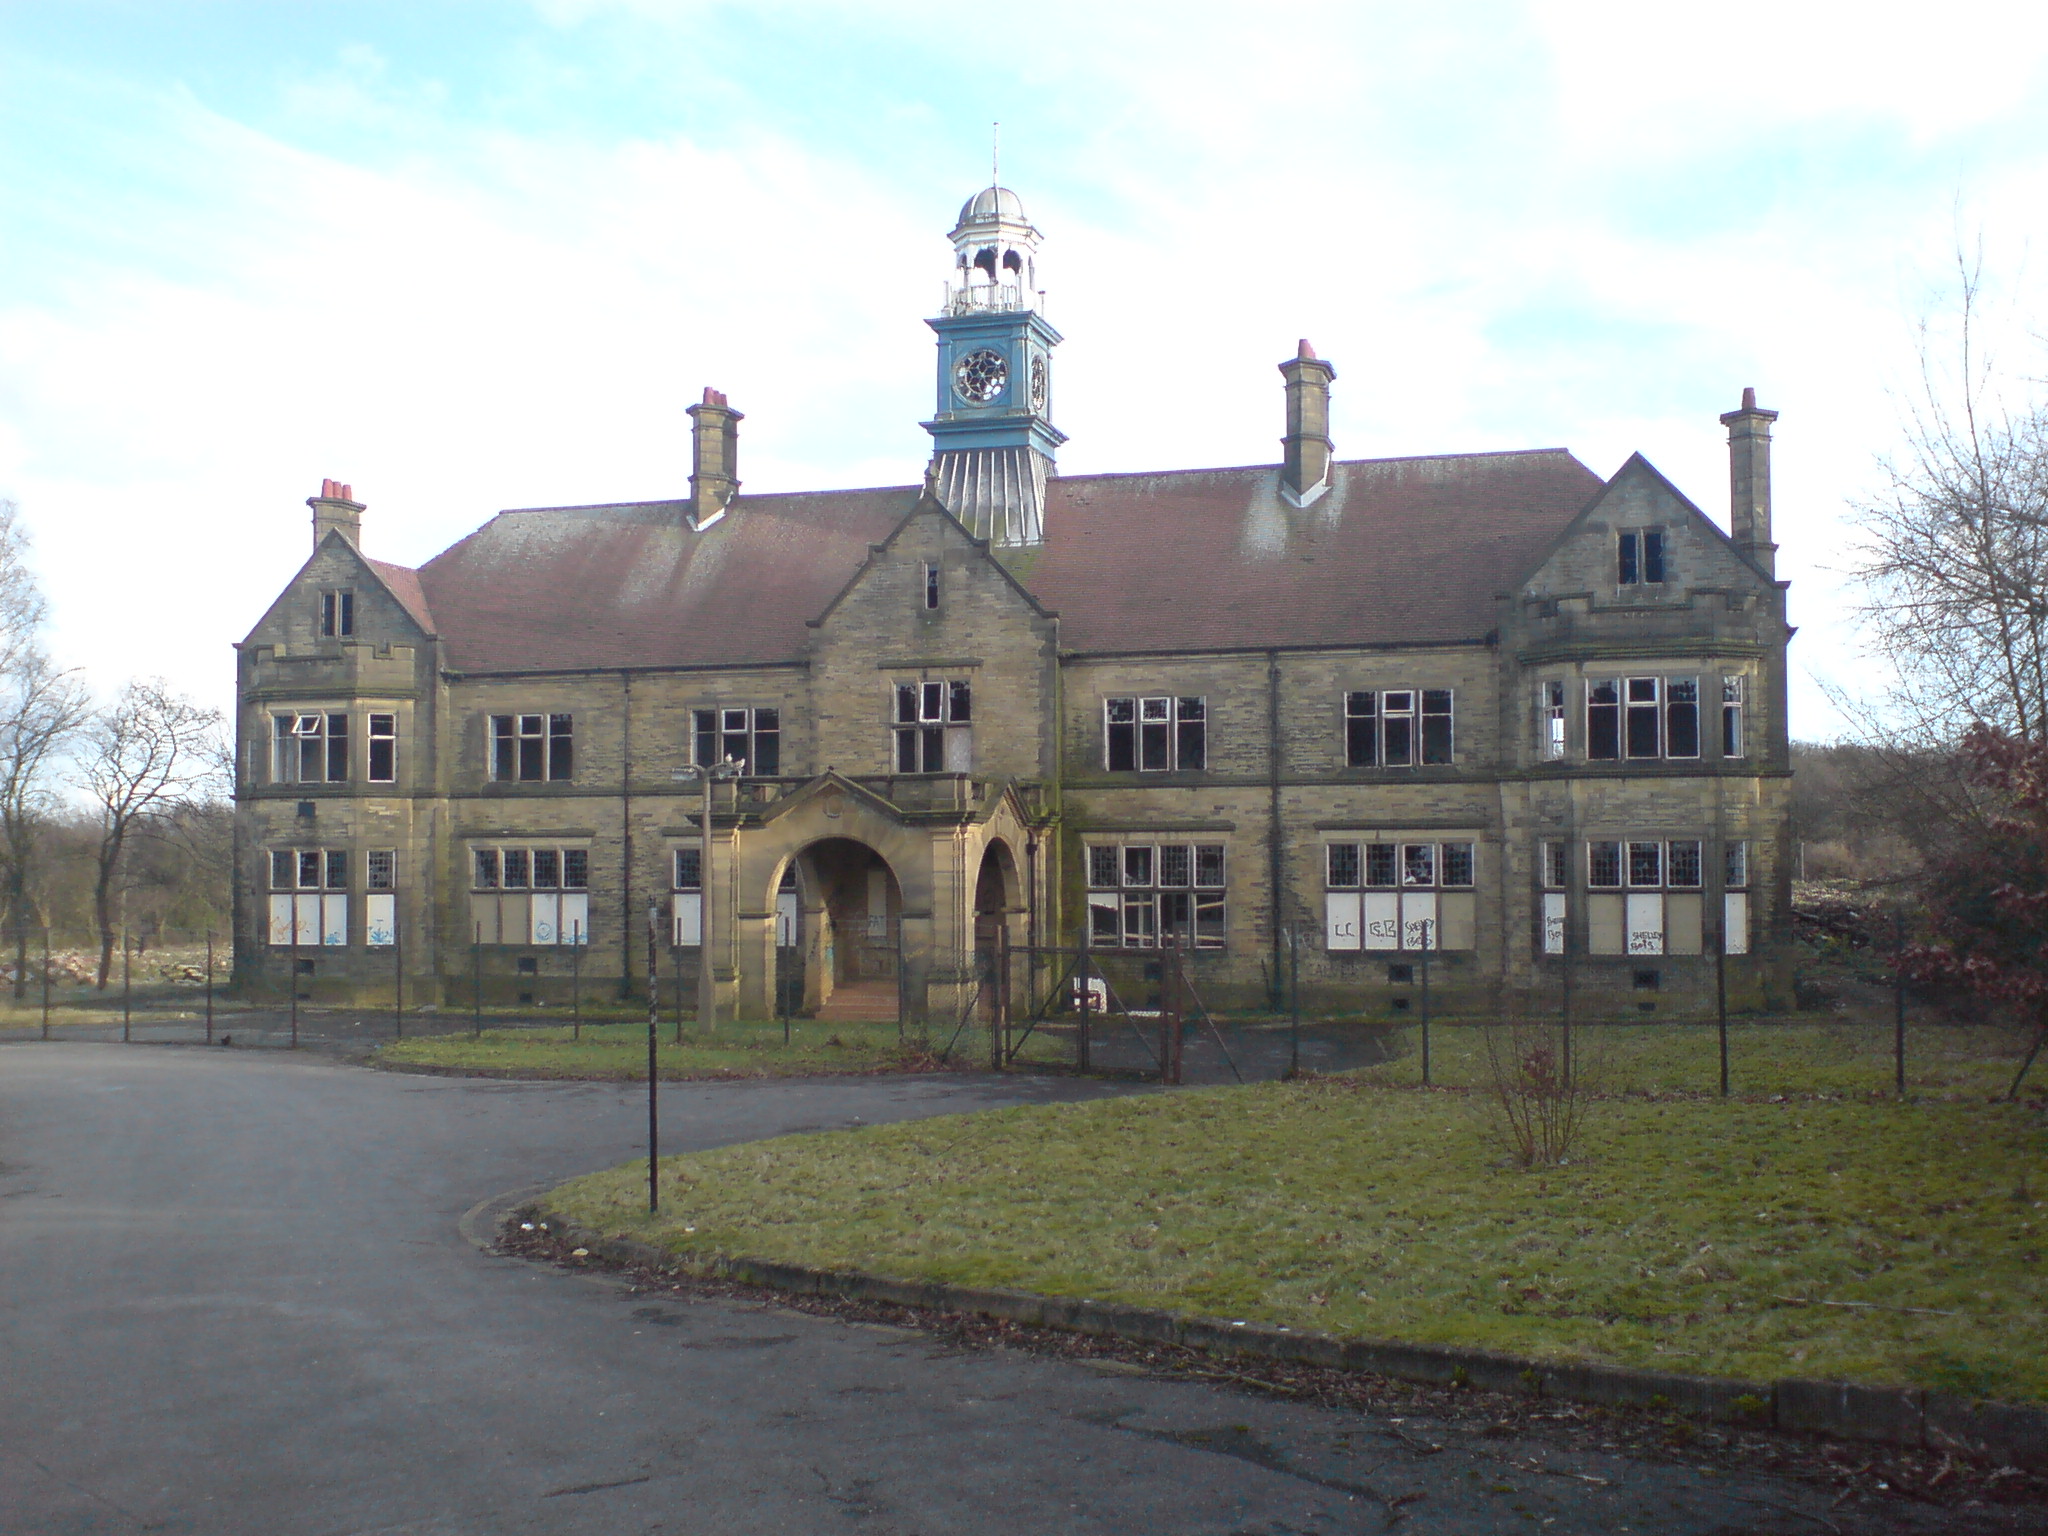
{"x":1688,"y":1234}
{"x":733,"y":1050}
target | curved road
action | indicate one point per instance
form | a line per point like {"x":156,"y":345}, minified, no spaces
{"x":234,"y":1299}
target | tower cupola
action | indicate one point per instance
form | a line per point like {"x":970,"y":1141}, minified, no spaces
{"x":992,"y":435}
{"x":995,"y":255}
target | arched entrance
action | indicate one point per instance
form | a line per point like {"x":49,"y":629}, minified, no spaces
{"x":854,"y":953}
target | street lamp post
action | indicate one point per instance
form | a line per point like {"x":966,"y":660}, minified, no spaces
{"x":707,"y":985}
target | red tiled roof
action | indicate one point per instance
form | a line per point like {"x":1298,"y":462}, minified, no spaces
{"x":560,"y":588}
{"x":1397,"y":551}
{"x":404,"y":583}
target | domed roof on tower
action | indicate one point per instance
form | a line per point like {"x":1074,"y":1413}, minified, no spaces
{"x":992,"y":203}
{"x":995,"y":255}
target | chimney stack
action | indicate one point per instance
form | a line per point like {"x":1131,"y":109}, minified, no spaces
{"x":1749,"y":481}
{"x":1305,"y":469}
{"x":336,"y":509}
{"x":714,"y":458}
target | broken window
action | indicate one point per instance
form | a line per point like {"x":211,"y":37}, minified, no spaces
{"x":1646,"y":897}
{"x":380,"y":903}
{"x":309,"y":897}
{"x":531,"y":748}
{"x":1155,"y":735}
{"x":1735,"y":865}
{"x":337,"y":613}
{"x":1681,"y":717}
{"x":1639,"y":557}
{"x":750,"y":737}
{"x":1388,"y":895}
{"x":1143,"y":894}
{"x":931,"y":586}
{"x":1731,"y":717}
{"x":1645,"y":737}
{"x":1643,"y":717}
{"x":1556,"y":909}
{"x":310,"y":749}
{"x":1436,"y":725}
{"x":1603,"y":718}
{"x":933,"y":726}
{"x":686,"y":901}
{"x":525,"y":895}
{"x":383,"y":749}
{"x":1550,"y":705}
{"x":1398,"y":727}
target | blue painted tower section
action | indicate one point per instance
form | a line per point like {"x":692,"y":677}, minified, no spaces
{"x":993,"y":439}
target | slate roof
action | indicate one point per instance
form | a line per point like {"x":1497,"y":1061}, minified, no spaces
{"x":1398,"y":551}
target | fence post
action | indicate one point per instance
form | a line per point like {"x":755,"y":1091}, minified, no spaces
{"x":46,"y":981}
{"x":1428,"y":940}
{"x":397,"y":970}
{"x":653,"y":1023}
{"x":476,"y":985}
{"x":1721,"y":992}
{"x":1294,"y":1001}
{"x":1899,"y":1003}
{"x":209,"y":984}
{"x":675,"y":985}
{"x":292,"y":973}
{"x":576,"y":981}
{"x":125,"y":991}
{"x":1087,"y":1000}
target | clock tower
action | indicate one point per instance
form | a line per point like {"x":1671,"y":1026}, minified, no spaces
{"x":992,"y":438}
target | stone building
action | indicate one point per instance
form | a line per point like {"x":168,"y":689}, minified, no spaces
{"x":1334,"y":713}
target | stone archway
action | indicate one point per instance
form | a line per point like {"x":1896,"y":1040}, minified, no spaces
{"x":851,"y":921}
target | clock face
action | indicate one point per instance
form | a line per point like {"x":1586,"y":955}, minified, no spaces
{"x":980,"y":376}
{"x":1038,"y":385}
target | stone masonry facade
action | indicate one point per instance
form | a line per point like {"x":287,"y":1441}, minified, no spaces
{"x":1488,"y":718}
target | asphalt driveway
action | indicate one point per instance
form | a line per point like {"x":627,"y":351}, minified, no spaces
{"x":236,"y":1296}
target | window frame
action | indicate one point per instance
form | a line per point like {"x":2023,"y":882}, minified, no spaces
{"x":931,"y":718}
{"x":713,"y":734}
{"x":1138,"y":893}
{"x":1155,"y":733}
{"x":543,"y":741}
{"x":387,"y":741}
{"x":1400,"y":727}
{"x":325,"y":740}
{"x":337,"y":613}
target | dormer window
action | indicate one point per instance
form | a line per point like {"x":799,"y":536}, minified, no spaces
{"x":337,"y":613}
{"x":1639,"y":557}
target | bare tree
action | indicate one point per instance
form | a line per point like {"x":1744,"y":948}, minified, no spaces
{"x":148,"y":754}
{"x":1954,"y":561}
{"x":41,"y":710}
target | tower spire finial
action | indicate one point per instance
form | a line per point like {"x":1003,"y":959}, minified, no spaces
{"x":995,"y":154}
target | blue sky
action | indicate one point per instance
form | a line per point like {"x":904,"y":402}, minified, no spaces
{"x":468,"y":256}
